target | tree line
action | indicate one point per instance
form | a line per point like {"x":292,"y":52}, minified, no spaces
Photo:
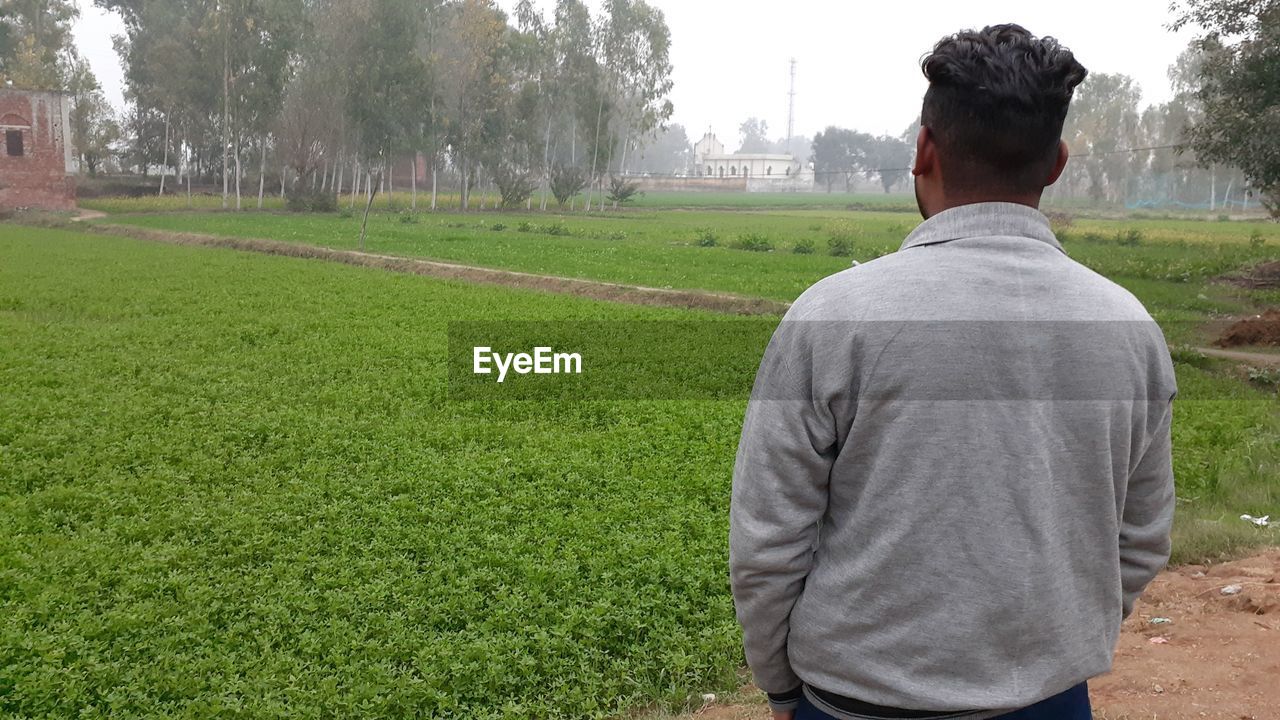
{"x":325,"y":95}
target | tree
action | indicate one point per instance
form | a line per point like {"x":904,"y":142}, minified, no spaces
{"x":36,"y":51}
{"x":1103,"y":122}
{"x":1240,"y":89}
{"x":94,"y":128}
{"x":472,"y":81}
{"x":838,"y":153}
{"x":755,"y":136}
{"x":886,"y":158}
{"x":385,"y":88}
{"x":667,"y":153}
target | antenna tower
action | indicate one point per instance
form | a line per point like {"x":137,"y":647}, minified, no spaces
{"x":791,"y":108}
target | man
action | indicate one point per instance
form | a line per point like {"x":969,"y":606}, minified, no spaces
{"x":954,"y":478}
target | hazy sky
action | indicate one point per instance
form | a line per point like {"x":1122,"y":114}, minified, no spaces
{"x":857,"y":62}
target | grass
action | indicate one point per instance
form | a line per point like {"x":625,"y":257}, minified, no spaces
{"x":1167,"y":264}
{"x":234,"y":485}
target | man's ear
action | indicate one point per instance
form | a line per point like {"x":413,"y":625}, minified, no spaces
{"x":926,"y":152}
{"x":1059,"y":165}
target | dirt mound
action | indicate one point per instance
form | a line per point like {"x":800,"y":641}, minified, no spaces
{"x":1264,"y":276}
{"x":1262,"y":329}
{"x":1190,"y":651}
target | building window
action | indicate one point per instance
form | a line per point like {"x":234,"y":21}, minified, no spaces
{"x":768,"y":170}
{"x":788,"y":172}
{"x":721,"y":172}
{"x":709,"y":173}
{"x":13,"y":142}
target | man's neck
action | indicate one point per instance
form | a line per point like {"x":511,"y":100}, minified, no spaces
{"x":1031,"y":200}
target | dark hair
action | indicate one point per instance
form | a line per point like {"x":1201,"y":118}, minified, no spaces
{"x":996,"y":102}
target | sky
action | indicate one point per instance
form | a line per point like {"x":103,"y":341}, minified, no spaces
{"x":857,"y":63}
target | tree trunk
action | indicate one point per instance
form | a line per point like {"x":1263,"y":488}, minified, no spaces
{"x":413,"y":181}
{"x":622,"y":166}
{"x":608,"y":161}
{"x":364,"y":222}
{"x":434,"y":178}
{"x":546,"y":165}
{"x":466,"y":191}
{"x":355,"y":182}
{"x":595,"y":153}
{"x":239,"y":172}
{"x":164,"y":164}
{"x":283,"y":171}
{"x":186,"y":155}
{"x":341,"y":167}
{"x":226,"y":107}
{"x":262,"y":174}
{"x":324,"y":178}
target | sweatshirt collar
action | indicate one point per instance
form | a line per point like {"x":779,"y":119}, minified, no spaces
{"x":988,"y":219}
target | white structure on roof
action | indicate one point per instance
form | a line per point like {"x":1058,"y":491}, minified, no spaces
{"x":710,"y":160}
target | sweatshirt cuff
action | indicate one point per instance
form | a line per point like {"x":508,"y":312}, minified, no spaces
{"x":789,"y":700}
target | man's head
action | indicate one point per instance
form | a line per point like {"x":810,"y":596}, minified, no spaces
{"x":991,"y":127}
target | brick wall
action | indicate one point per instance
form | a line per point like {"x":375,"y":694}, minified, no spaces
{"x":39,"y":178}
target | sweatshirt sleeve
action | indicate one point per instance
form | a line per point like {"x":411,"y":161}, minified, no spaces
{"x":1148,"y":512}
{"x":779,"y":497}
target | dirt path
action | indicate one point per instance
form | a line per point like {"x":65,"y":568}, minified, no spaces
{"x":615,"y":292}
{"x":83,"y":214}
{"x":1218,"y":657}
{"x":1251,"y":358}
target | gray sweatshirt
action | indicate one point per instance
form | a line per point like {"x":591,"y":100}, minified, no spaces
{"x":954,"y":477}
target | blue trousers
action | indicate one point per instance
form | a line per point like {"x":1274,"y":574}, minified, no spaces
{"x":1070,"y":705}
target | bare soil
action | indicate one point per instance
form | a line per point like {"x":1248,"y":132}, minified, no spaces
{"x":1218,"y":657}
{"x":1261,"y":329}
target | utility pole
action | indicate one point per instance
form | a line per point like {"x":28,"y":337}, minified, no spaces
{"x":791,"y":108}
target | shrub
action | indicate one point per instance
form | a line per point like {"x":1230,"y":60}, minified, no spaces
{"x":1059,"y":221}
{"x":1266,"y":377}
{"x":621,"y":191}
{"x":408,"y":219}
{"x":803,"y":247}
{"x":345,"y":213}
{"x":556,"y":228}
{"x":1129,"y":238}
{"x":1185,"y":355}
{"x":840,"y":238}
{"x":1256,"y":240}
{"x":840,"y":247}
{"x":567,"y":182}
{"x":1224,"y":217}
{"x":753,"y":242}
{"x":515,"y":186}
{"x":498,"y":227}
{"x":706,"y":237}
{"x":308,"y":200}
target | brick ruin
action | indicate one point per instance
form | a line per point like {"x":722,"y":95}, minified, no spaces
{"x":37,"y":163}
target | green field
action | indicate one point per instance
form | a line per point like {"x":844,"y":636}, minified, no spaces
{"x":1167,"y":263}
{"x":234,"y":485}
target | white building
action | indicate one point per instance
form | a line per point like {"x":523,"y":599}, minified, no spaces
{"x":710,"y":160}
